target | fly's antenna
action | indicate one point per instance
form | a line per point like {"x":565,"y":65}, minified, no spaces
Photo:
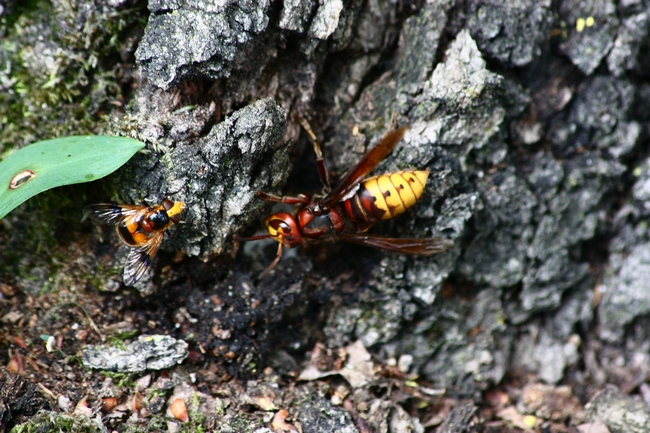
{"x":146,"y":200}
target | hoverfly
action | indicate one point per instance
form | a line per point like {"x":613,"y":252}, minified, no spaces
{"x":348,"y":210}
{"x":140,"y":227}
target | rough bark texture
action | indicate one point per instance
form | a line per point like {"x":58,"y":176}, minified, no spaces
{"x":532,"y":117}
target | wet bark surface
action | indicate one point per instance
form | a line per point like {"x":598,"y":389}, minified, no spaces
{"x":532,"y":118}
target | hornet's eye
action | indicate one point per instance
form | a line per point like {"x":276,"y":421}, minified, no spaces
{"x":167,"y":204}
{"x":279,"y":225}
{"x":176,"y":218}
{"x":283,"y":228}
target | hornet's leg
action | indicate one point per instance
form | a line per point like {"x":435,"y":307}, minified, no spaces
{"x":273,"y":263}
{"x":300,"y":199}
{"x":322,"y":170}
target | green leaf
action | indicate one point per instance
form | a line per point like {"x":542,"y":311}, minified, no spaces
{"x":62,"y":161}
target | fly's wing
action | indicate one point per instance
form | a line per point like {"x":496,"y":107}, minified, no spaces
{"x":365,"y":165}
{"x":140,"y":258}
{"x":417,"y":246}
{"x":110,"y":213}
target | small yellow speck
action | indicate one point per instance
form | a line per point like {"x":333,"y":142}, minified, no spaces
{"x":530,"y":420}
{"x":589,"y":21}
{"x":637,"y":172}
{"x":355,"y":130}
{"x":580,"y":24}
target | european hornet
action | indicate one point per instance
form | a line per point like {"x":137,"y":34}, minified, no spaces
{"x":140,"y":227}
{"x":353,"y":206}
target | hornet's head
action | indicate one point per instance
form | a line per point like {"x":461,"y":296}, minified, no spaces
{"x":283,"y":228}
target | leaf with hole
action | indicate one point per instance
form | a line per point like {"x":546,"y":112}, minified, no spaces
{"x":62,"y":161}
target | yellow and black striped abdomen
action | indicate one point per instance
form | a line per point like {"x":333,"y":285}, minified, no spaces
{"x":386,"y":196}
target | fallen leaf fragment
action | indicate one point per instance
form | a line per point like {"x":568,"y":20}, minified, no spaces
{"x":109,"y":403}
{"x":279,"y":425}
{"x":136,"y":403}
{"x":594,"y":427}
{"x":511,"y":415}
{"x":311,"y":372}
{"x":19,"y":342}
{"x":82,"y":407}
{"x":359,"y":370}
{"x":7,"y":290}
{"x":15,"y":364}
{"x":549,"y":402}
{"x":12,"y":317}
{"x":179,"y":410}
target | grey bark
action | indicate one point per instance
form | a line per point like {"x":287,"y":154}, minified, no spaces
{"x":528,"y":139}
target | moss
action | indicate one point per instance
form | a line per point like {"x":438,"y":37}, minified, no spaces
{"x":125,"y":335}
{"x":46,"y":421}
{"x":57,"y":69}
{"x":117,"y":340}
{"x":157,"y":422}
{"x":196,"y":416}
{"x":155,"y":392}
{"x":120,"y":380}
{"x":21,"y":8}
{"x":236,"y":423}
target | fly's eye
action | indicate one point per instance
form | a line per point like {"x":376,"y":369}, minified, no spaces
{"x":167,"y":204}
{"x":176,"y":218}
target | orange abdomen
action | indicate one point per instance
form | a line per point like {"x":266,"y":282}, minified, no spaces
{"x":386,"y":196}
